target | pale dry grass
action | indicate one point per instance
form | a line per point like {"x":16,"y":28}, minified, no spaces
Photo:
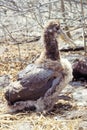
{"x":10,"y":61}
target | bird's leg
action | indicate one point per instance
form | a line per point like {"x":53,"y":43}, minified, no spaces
{"x":40,"y":107}
{"x":50,"y":101}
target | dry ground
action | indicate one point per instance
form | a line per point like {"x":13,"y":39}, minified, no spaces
{"x":64,"y":116}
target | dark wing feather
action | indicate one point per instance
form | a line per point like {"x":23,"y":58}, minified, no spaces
{"x":25,"y":71}
{"x":34,"y":85}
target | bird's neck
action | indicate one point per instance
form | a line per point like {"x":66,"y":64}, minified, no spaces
{"x":51,"y":46}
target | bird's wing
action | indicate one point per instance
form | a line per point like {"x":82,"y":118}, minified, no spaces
{"x":34,"y":85}
{"x":36,"y":78}
{"x":25,"y":71}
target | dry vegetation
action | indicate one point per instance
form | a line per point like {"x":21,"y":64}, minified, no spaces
{"x":12,"y":61}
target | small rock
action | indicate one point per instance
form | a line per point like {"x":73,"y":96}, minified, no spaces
{"x":2,"y":50}
{"x":4,"y":81}
{"x":80,"y":96}
{"x":83,"y":125}
{"x":24,"y":126}
{"x":77,"y":83}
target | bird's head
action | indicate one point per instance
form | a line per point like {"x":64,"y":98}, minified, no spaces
{"x":53,"y":27}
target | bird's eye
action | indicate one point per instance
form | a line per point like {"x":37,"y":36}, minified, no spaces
{"x":57,"y":28}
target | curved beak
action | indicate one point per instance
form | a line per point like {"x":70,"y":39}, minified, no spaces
{"x":65,"y":38}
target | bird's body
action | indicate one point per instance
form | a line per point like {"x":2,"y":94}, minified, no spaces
{"x":80,"y":69}
{"x":40,"y":84}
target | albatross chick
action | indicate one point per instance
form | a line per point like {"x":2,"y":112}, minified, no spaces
{"x":40,"y":84}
